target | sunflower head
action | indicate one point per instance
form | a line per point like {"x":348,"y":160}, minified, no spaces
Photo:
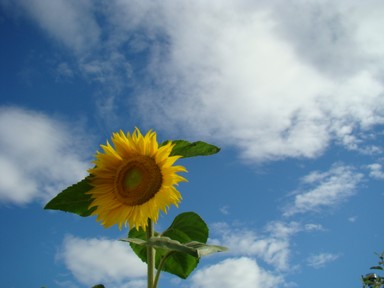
{"x":133,"y":180}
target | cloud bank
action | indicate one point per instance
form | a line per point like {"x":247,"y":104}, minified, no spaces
{"x":271,"y":79}
{"x":39,"y":156}
{"x":237,"y":73}
{"x":240,"y":272}
{"x":105,"y":261}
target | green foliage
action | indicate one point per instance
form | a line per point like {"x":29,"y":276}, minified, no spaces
{"x":187,"y":149}
{"x":372,"y":280}
{"x":193,"y":248}
{"x":181,"y":245}
{"x":75,"y":200}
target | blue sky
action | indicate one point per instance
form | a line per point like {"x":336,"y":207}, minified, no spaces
{"x":291,"y":92}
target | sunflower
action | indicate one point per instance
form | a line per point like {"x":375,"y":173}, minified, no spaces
{"x":134,"y":180}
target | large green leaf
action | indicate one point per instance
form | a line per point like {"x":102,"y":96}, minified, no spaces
{"x":188,"y":149}
{"x":194,"y":248}
{"x":73,"y":199}
{"x":186,"y":227}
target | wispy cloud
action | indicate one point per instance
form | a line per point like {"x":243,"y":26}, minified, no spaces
{"x":224,"y":210}
{"x":272,"y":245}
{"x":352,"y":219}
{"x":105,"y":261}
{"x":272,"y":249}
{"x":39,"y":156}
{"x":266,"y":255}
{"x":321,"y":259}
{"x":324,"y":189}
{"x":376,"y":171}
{"x":72,"y":23}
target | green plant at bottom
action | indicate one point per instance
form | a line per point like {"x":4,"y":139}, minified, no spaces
{"x":373,"y":280}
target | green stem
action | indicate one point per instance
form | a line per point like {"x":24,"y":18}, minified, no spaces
{"x":161,"y":264}
{"x":150,"y":256}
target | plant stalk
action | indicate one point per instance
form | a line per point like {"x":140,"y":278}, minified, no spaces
{"x":150,"y":256}
{"x":160,"y":267}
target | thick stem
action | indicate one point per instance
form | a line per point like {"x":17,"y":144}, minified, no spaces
{"x":150,"y":255}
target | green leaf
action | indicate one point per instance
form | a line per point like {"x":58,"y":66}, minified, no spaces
{"x":165,"y":243}
{"x":205,"y":249}
{"x":194,"y":248}
{"x":73,"y":199}
{"x":376,"y":267}
{"x":188,"y":149}
{"x":186,"y":227}
{"x":137,"y":246}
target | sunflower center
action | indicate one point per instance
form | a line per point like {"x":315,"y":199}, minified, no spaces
{"x":138,"y":180}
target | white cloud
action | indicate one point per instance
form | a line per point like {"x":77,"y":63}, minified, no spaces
{"x":272,"y":245}
{"x":105,"y":261}
{"x":70,"y":22}
{"x":376,"y":170}
{"x":352,"y":219}
{"x":39,"y":156}
{"x":235,"y":273}
{"x":224,"y":210}
{"x":324,"y":189}
{"x":64,"y":71}
{"x":321,"y":259}
{"x":283,"y":230}
{"x":271,"y":79}
{"x":313,"y":227}
{"x":272,"y":248}
{"x":233,"y":73}
{"x":239,"y":79}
